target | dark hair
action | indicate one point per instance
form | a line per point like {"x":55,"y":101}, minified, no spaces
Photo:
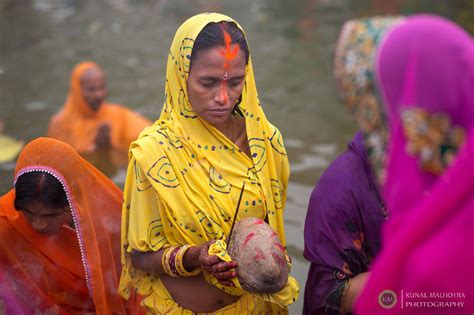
{"x":40,"y":187}
{"x":212,"y":35}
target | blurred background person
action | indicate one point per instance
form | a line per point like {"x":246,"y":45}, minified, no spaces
{"x":346,"y":210}
{"x":88,"y":122}
{"x":425,"y":74}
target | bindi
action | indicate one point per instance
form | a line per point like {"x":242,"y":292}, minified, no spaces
{"x":226,"y":76}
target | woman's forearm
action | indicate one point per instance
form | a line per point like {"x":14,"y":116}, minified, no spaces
{"x":149,"y":262}
{"x":356,"y":286}
{"x":191,"y":258}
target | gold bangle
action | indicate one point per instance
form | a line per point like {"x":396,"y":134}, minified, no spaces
{"x":165,"y":261}
{"x":179,"y":263}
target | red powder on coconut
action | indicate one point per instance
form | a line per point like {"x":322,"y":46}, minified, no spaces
{"x":280,"y":260}
{"x":258,"y":222}
{"x":248,"y":237}
{"x":279,"y":246}
{"x":259,"y":254}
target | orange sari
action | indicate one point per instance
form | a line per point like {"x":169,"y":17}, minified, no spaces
{"x":77,"y":124}
{"x":73,"y":271}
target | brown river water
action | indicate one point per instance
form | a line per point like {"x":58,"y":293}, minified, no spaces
{"x":291,"y":42}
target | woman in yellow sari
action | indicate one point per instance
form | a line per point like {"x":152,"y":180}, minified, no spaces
{"x":185,"y":176}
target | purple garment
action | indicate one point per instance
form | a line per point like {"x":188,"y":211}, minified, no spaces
{"x":342,"y":228}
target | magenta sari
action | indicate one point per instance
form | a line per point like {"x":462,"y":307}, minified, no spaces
{"x":426,"y":264}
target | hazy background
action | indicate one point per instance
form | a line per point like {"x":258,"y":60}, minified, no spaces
{"x":291,"y":43}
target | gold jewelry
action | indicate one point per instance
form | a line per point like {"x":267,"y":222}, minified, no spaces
{"x":165,"y":261}
{"x":179,"y":263}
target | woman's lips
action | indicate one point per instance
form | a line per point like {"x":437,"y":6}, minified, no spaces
{"x":220,"y":112}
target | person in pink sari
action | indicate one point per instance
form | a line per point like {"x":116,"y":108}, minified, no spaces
{"x":425,"y":73}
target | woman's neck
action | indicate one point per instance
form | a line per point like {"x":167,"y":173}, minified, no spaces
{"x":230,"y":129}
{"x":235,"y":130}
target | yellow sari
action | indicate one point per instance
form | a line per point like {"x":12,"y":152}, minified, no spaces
{"x":184,"y":180}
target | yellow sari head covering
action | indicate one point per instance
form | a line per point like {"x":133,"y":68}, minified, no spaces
{"x":185,"y":176}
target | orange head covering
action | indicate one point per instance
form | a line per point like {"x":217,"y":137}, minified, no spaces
{"x":77,"y":123}
{"x":76,"y":104}
{"x":73,"y":270}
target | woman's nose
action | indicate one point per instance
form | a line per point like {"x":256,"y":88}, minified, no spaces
{"x":222,"y":95}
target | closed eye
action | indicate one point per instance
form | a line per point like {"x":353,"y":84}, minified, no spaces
{"x":50,"y":215}
{"x":209,"y":82}
{"x":235,"y":82}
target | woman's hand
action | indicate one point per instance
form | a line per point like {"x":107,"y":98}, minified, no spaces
{"x":215,"y":266}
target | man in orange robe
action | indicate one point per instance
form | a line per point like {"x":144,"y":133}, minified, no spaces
{"x":87,"y":122}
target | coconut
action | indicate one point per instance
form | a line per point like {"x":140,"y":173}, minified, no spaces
{"x":261,"y":259}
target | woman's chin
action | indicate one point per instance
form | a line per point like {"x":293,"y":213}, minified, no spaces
{"x":218,"y":121}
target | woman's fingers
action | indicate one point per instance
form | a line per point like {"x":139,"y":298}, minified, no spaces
{"x":227,"y":283}
{"x":225,"y":275}
{"x":223,"y":266}
{"x":215,"y":265}
{"x":208,"y":261}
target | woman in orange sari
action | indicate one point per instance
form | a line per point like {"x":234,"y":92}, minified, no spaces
{"x":60,"y":236}
{"x":87,"y":122}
